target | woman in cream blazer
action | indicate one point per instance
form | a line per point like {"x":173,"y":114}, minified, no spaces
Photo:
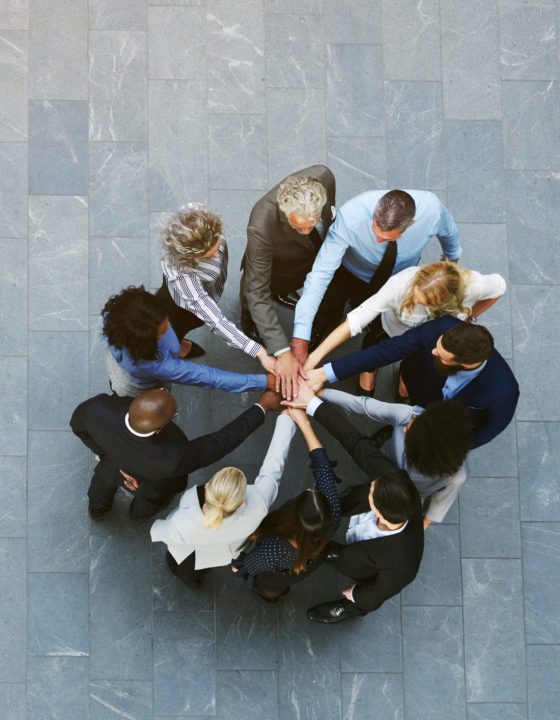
{"x":193,"y":546}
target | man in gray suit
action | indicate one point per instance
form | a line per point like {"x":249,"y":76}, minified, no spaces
{"x":286,"y":229}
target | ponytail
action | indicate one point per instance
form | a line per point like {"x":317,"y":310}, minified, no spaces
{"x":224,"y":493}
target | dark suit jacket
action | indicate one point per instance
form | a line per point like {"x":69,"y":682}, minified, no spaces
{"x":491,"y":397}
{"x":161,"y":461}
{"x":382,"y":567}
{"x":278,"y":258}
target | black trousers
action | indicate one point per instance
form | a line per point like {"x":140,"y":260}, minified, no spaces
{"x":181,"y":320}
{"x":105,"y":483}
{"x":185,"y":571}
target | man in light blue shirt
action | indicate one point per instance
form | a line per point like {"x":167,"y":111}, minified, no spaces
{"x":354,"y":248}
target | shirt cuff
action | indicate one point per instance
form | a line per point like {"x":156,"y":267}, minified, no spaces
{"x":261,"y":407}
{"x":353,"y":320}
{"x":302,"y":332}
{"x":281,"y":352}
{"x":252,"y":348}
{"x":262,"y":383}
{"x":313,"y":405}
{"x":329,"y":372}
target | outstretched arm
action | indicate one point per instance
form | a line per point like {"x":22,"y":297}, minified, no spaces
{"x":270,"y":474}
{"x":338,"y":336}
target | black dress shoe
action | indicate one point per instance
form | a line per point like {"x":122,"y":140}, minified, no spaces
{"x":381,"y":436}
{"x":289,"y":299}
{"x":249,"y":328}
{"x":333,"y":612}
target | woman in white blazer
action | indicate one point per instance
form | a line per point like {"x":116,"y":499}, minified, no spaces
{"x":213,"y":521}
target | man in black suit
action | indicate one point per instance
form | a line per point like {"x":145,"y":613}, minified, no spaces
{"x":140,"y":448}
{"x":385,"y":537}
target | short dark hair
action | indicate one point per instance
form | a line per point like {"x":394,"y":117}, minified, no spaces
{"x":395,"y":496}
{"x":468,"y":343}
{"x":395,"y":211}
{"x":437,"y":442}
{"x":131,"y":320}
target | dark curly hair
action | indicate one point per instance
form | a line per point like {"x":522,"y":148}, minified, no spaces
{"x":396,"y":497}
{"x":131,"y":320}
{"x":438,"y":440}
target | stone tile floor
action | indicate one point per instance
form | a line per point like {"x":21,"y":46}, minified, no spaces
{"x":114,"y":113}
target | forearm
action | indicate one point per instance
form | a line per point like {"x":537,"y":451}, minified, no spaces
{"x":186,"y":372}
{"x":332,"y":341}
{"x":309,"y":435}
{"x":482,"y":306}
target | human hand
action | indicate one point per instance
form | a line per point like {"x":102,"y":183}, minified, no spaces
{"x":298,"y":415}
{"x":267,"y":361}
{"x":348,"y":593}
{"x":288,"y":370}
{"x":130,"y":482}
{"x":234,"y":569}
{"x":316,"y":379}
{"x":310,"y":362}
{"x":300,"y":349}
{"x":270,"y":400}
{"x":305,"y":395}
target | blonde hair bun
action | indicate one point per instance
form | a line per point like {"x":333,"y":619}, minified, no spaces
{"x":224,"y":494}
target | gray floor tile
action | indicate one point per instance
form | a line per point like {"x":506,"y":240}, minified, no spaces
{"x":539,"y":470}
{"x":494,"y":641}
{"x":237,"y":152}
{"x":296,"y":129}
{"x":116,"y":263}
{"x":496,"y":711}
{"x":531,"y":54}
{"x":12,"y":700}
{"x":170,"y":58}
{"x":178,"y":144}
{"x":98,"y":378}
{"x":358,"y":164}
{"x":13,"y":491}
{"x":418,"y":55}
{"x":415,"y":154}
{"x":531,"y":235}
{"x":57,"y":687}
{"x":58,"y":148}
{"x":541,"y":579}
{"x":120,"y":612}
{"x":120,"y":698}
{"x":475,"y":181}
{"x":124,"y":15}
{"x":118,"y":85}
{"x":13,"y":297}
{"x":12,"y":610}
{"x":13,"y":412}
{"x":13,"y":85}
{"x":355,"y":104}
{"x":58,"y":614}
{"x":439,"y":579}
{"x":469,"y":38}
{"x":531,"y":125}
{"x":535,"y":343}
{"x":58,"y":50}
{"x":294,"y":51}
{"x":433,"y":663}
{"x":13,"y":190}
{"x":57,"y":485}
{"x":14,"y":15}
{"x":307,"y":7}
{"x":55,"y":390}
{"x":351,"y":21}
{"x":244,"y":695}
{"x":184,"y":670}
{"x":236,"y":59}
{"x":543,"y":677}
{"x":490,"y":518}
{"x":361,"y":693}
{"x":118,"y":190}
{"x":58,"y":263}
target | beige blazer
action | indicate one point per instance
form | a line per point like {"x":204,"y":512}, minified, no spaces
{"x":184,"y":533}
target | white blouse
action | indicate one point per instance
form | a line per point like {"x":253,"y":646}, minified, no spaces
{"x":389,"y":299}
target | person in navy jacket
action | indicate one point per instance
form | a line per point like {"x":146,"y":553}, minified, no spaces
{"x":443,"y":358}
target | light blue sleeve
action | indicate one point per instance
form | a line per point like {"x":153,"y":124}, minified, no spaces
{"x":326,"y":264}
{"x":270,"y":474}
{"x":391,"y":413}
{"x":448,"y":234}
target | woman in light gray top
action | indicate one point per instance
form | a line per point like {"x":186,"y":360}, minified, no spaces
{"x":431,"y":445}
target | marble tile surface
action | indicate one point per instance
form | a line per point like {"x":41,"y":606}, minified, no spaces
{"x":541,"y":578}
{"x":13,"y":296}
{"x":237,"y":152}
{"x":543,"y":678}
{"x":13,"y":490}
{"x":57,"y":687}
{"x":294,"y":51}
{"x":116,"y":263}
{"x":12,"y":699}
{"x":118,"y":83}
{"x":12,"y":610}
{"x":353,"y":22}
{"x":14,"y":411}
{"x":13,"y":85}
{"x":124,"y":15}
{"x":496,"y":711}
{"x":531,"y":54}
{"x":358,"y":164}
{"x":170,"y":57}
{"x":247,"y":695}
{"x":120,"y":698}
{"x":14,"y":163}
{"x":539,"y":472}
{"x":14,"y":15}
{"x":58,"y":263}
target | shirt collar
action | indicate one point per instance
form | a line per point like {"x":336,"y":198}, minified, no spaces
{"x":127,"y":423}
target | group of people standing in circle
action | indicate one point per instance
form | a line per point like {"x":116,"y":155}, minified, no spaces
{"x":456,"y":392}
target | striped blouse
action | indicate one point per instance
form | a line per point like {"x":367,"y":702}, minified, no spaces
{"x":198,"y":291}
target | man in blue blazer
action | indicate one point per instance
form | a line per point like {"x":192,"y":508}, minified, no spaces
{"x":443,"y":358}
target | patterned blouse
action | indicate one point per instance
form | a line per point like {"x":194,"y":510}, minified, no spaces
{"x":277,"y":554}
{"x":198,"y":291}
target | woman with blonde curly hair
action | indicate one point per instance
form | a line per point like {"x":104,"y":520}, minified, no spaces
{"x":194,"y":274}
{"x":214,"y":521}
{"x":410,"y":298}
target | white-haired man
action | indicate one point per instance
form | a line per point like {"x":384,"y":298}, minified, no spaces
{"x":286,"y":229}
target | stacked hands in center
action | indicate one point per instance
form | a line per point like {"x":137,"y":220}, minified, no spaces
{"x":456,"y":392}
